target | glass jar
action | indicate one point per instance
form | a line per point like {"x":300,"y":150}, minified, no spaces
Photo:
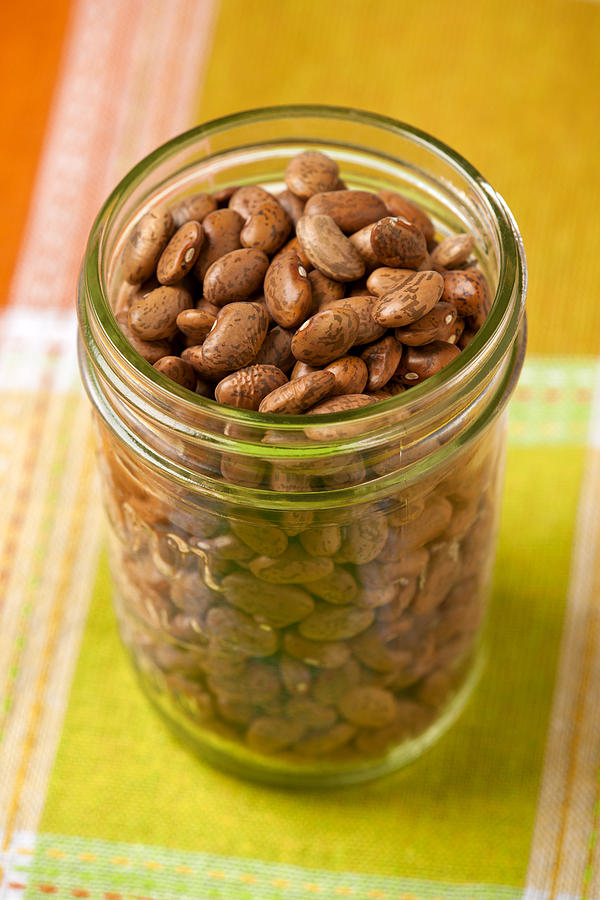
{"x":303,"y":600}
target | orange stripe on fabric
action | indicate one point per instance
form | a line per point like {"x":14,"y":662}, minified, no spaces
{"x":13,"y":527}
{"x":31,"y":40}
{"x":78,"y":516}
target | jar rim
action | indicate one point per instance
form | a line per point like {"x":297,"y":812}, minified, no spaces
{"x":496,"y":333}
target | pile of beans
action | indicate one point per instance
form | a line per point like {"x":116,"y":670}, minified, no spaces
{"x":334,"y":640}
{"x":312,"y":635}
{"x":360,"y":302}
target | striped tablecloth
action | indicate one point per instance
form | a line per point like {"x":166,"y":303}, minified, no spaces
{"x":96,"y":799}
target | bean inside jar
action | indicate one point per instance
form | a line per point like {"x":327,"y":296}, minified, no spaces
{"x":307,"y":638}
{"x":314,"y":275}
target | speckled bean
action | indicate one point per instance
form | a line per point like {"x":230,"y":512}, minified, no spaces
{"x":287,"y":291}
{"x":236,"y":336}
{"x":398,"y":205}
{"x":269,"y":734}
{"x":276,"y":605}
{"x":437,"y":325}
{"x":177,"y":370}
{"x":335,"y":623}
{"x":468,"y":291}
{"x":324,"y":290}
{"x":368,"y":329}
{"x":295,"y":566}
{"x":300,"y":394}
{"x":385,"y":279}
{"x":276,"y":349}
{"x":419,"y":363}
{"x":232,"y":628}
{"x":311,"y":172}
{"x":267,"y":227}
{"x":246,"y":388}
{"x":381,"y":358}
{"x":368,"y":707}
{"x":180,"y":254}
{"x":328,"y":249}
{"x":235,"y":276}
{"x":221,"y":236}
{"x":350,"y":210}
{"x":148,"y":239}
{"x":322,"y":540}
{"x":350,"y":373}
{"x":195,"y":324}
{"x":194,"y":208}
{"x":326,"y":336}
{"x":453,"y":250}
{"x":154,"y":316}
{"x":320,"y":654}
{"x":410,"y":301}
{"x":398,"y":243}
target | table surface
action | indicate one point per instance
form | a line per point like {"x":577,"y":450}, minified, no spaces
{"x":96,"y":798}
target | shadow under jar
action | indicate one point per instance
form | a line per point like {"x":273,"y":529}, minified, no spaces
{"x":303,"y":598}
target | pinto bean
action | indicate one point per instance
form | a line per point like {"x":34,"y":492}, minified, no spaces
{"x":194,"y":208}
{"x":267,"y":227}
{"x":178,"y":370}
{"x":246,"y":388}
{"x":369,"y":707}
{"x":324,"y":290}
{"x":453,"y":250}
{"x":350,"y":373}
{"x":335,"y":623}
{"x":436,"y":325}
{"x":385,"y":279}
{"x":311,"y":173}
{"x":236,"y":336}
{"x":276,"y":349}
{"x":154,"y":316}
{"x":419,"y":363}
{"x":368,"y":329}
{"x":288,"y":291}
{"x":381,"y":358}
{"x":326,"y":336}
{"x":221,"y":235}
{"x":410,"y":301}
{"x":468,"y":291}
{"x":350,"y":210}
{"x":398,"y":205}
{"x":145,"y":244}
{"x":232,"y":628}
{"x":235,"y":276}
{"x":397,"y":242}
{"x":300,"y":394}
{"x":328,"y":249}
{"x":295,"y":566}
{"x":180,"y":254}
{"x":276,"y":605}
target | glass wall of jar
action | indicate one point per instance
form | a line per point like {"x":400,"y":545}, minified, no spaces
{"x":304,"y":598}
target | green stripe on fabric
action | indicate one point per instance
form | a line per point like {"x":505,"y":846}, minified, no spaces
{"x":97,"y":869}
{"x":463,"y":813}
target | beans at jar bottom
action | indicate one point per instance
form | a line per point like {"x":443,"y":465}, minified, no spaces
{"x":374,"y":648}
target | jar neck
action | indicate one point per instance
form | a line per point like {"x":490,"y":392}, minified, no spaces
{"x":396,"y":439}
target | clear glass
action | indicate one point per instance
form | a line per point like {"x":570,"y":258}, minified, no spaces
{"x":304,"y":601}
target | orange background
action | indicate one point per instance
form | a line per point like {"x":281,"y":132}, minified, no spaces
{"x":31,"y":41}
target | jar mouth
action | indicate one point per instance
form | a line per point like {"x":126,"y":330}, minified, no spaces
{"x":177,"y":407}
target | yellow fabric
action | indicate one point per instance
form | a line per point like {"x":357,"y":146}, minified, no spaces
{"x":511,"y":85}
